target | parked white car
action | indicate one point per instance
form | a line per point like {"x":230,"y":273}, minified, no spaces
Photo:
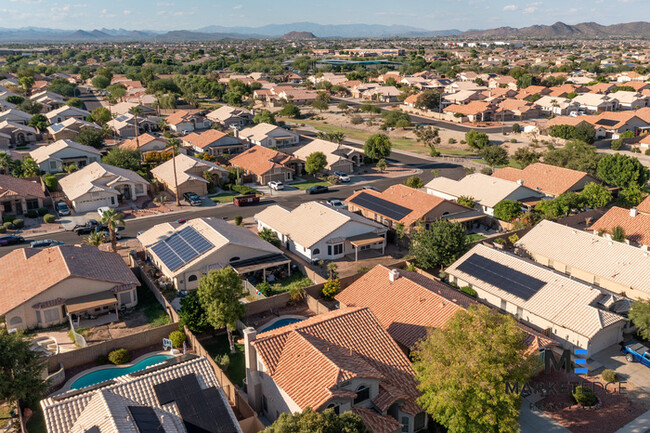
{"x":343,"y":177}
{"x":102,"y":210}
{"x":336,"y":203}
{"x":276,"y":185}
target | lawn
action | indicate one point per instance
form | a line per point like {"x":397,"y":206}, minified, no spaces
{"x":308,"y":184}
{"x":286,"y":284}
{"x":5,"y":414}
{"x":475,"y":237}
{"x":224,"y":197}
{"x":236,"y":372}
{"x":153,"y":311}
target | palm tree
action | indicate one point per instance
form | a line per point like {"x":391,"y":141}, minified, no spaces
{"x":5,"y":162}
{"x":163,"y":125}
{"x":336,"y":137}
{"x":112,"y":219}
{"x":174,"y":143}
{"x":94,"y":239}
{"x":136,"y":111}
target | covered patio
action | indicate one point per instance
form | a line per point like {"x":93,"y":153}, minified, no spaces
{"x":365,"y":242}
{"x":91,"y":306}
{"x":263,"y":263}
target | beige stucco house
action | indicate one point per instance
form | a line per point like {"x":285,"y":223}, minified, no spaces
{"x":189,"y":174}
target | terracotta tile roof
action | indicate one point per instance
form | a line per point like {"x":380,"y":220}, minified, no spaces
{"x":376,"y":422}
{"x":601,"y":88}
{"x":204,"y":139}
{"x":637,"y":228}
{"x":644,"y":206}
{"x":143,"y":139}
{"x":178,"y":117}
{"x":36,"y":270}
{"x":260,"y":160}
{"x":473,"y":108}
{"x":309,"y":359}
{"x":412,"y":99}
{"x":12,"y":186}
{"x":543,"y":177}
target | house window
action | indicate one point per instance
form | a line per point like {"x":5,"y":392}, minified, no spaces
{"x":51,"y":315}
{"x":139,"y":188}
{"x":52,"y":165}
{"x":329,"y":250}
{"x":125,"y":298}
{"x":405,"y":424}
{"x":419,"y":421}
{"x":234,"y":259}
{"x":32,"y":204}
{"x":316,"y":251}
{"x":336,"y":407}
{"x":192,"y":278}
{"x":113,"y":200}
{"x":6,"y":206}
{"x":504,"y":304}
{"x":363,"y":394}
{"x":338,"y":249}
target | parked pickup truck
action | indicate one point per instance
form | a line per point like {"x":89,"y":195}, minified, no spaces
{"x":636,"y":352}
{"x":87,"y":228}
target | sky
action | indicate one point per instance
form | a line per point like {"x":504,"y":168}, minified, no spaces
{"x":425,"y":14}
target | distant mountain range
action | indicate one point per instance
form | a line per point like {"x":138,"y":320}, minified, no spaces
{"x":308,"y":30}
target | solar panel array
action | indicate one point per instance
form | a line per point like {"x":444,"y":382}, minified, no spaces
{"x":381,"y":206}
{"x":507,"y":279}
{"x":145,"y":419}
{"x":181,"y":247}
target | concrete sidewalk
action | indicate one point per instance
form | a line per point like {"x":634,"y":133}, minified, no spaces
{"x":536,"y":421}
{"x":639,"y":425}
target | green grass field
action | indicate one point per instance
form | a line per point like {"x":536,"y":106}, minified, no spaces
{"x":236,"y":372}
{"x":224,"y":197}
{"x":474,"y":237}
{"x":308,"y":184}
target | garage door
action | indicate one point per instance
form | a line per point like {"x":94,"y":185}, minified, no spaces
{"x":605,"y":338}
{"x":91,"y":204}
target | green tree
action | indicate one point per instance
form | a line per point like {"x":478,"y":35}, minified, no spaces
{"x":428,"y":135}
{"x":94,"y":239}
{"x":618,"y":234}
{"x":5,"y":163}
{"x":494,"y":155}
{"x":524,"y":157}
{"x":123,"y":158}
{"x":117,"y":91}
{"x":382,"y":165}
{"x":21,"y":380}
{"x":461,"y":369}
{"x":29,"y":168}
{"x":101,"y":82}
{"x":192,"y":315}
{"x":264,"y":116}
{"x":428,"y":100}
{"x":112,"y":219}
{"x":507,"y":210}
{"x":631,"y":196}
{"x":30,"y":107}
{"x":439,"y":246}
{"x":377,"y":146}
{"x":466,"y":201}
{"x":622,"y":171}
{"x":219,"y":293}
{"x":290,"y":110}
{"x":414,"y":182}
{"x":640,"y":315}
{"x":39,"y":122}
{"x":315,"y":162}
{"x":322,"y":422}
{"x":576,"y":155}
{"x":27,"y":83}
{"x":75,"y":102}
{"x":320,"y":105}
{"x":335,"y":137}
{"x":269,"y":236}
{"x":561,"y":131}
{"x":101,"y":115}
{"x":584,"y":132}
{"x":476,"y":140}
{"x":90,"y":136}
{"x":595,"y":195}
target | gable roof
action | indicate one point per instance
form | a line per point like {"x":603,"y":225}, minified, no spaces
{"x":261,"y":131}
{"x":12,"y":186}
{"x":143,"y":140}
{"x":311,"y":222}
{"x":207,"y":138}
{"x":260,"y":160}
{"x":471,"y":109}
{"x":544,"y":177}
{"x":636,"y":228}
{"x":644,"y":206}
{"x":36,"y":270}
{"x":88,"y":179}
{"x":184,"y":164}
{"x":333,"y":152}
{"x":68,"y":110}
{"x":43,"y":153}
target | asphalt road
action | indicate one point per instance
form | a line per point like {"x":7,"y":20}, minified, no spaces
{"x":289,"y":200}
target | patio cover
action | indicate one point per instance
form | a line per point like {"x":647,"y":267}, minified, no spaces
{"x":255,"y":264}
{"x":365,"y":239}
{"x":88,"y":302}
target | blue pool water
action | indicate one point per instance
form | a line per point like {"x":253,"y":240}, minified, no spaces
{"x":280,"y":323}
{"x":109,"y":373}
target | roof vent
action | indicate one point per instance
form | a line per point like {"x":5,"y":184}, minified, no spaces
{"x":634,"y":212}
{"x":520,"y":182}
{"x":393,"y":275}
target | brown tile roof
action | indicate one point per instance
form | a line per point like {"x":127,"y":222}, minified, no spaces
{"x":260,"y":160}
{"x":35,"y":271}
{"x":637,"y":228}
{"x":601,"y":88}
{"x":142,"y":139}
{"x":412,"y":99}
{"x":471,"y":109}
{"x":11,"y":186}
{"x":309,"y":359}
{"x":178,"y":117}
{"x":205,"y":138}
{"x":543,"y":177}
{"x":376,"y":422}
{"x":644,"y":206}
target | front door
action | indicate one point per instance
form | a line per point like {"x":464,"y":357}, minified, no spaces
{"x":19,"y":208}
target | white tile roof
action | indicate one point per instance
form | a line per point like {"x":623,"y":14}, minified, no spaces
{"x":43,"y":153}
{"x":97,"y":177}
{"x":184,"y":164}
{"x":614,"y":261}
{"x":563,"y":301}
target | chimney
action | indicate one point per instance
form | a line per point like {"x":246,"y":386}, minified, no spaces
{"x":520,"y":182}
{"x":634,"y":212}
{"x":236,"y":134}
{"x":253,"y":386}
{"x":393,"y":275}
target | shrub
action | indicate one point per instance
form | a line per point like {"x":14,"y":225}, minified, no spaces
{"x":616,"y":144}
{"x":264,"y":288}
{"x":8,"y":225}
{"x":356,"y":120}
{"x":238,"y":220}
{"x":513,"y":239}
{"x":243,"y":189}
{"x":51,"y":182}
{"x":3,"y":230}
{"x":500,"y":241}
{"x":119,"y":356}
{"x":177,"y":338}
{"x":32,"y":213}
{"x":330,"y":289}
{"x":647,"y":152}
{"x":452,"y":141}
{"x":609,"y":375}
{"x":486,"y":171}
{"x":8,"y":219}
{"x":223,"y":361}
{"x":19,"y":223}
{"x":469,"y":291}
{"x":42,"y":211}
{"x":584,"y":396}
{"x":49,"y":218}
{"x":513,"y":140}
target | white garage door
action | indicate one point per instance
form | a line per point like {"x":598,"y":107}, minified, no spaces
{"x":91,"y":204}
{"x":604,"y":339}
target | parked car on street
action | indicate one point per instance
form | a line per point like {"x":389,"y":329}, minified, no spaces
{"x":192,"y":198}
{"x":102,"y":210}
{"x":62,"y":209}
{"x":336,"y":203}
{"x":343,"y":177}
{"x":45,"y":243}
{"x":317,"y":189}
{"x":276,"y":185}
{"x":636,"y":352}
{"x":11,"y":240}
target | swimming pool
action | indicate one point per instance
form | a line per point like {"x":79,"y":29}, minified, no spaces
{"x":280,"y":322}
{"x":108,"y":373}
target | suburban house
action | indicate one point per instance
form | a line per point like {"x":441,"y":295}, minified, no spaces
{"x":475,"y":111}
{"x":69,"y":128}
{"x":317,"y":231}
{"x":354,"y":365}
{"x":49,"y":284}
{"x":593,"y":102}
{"x":463,"y":97}
{"x":184,"y":253}
{"x":268,"y":135}
{"x":52,"y":157}
{"x":145,"y":143}
{"x":97,"y":185}
{"x":293,"y":95}
{"x":571,"y":312}
{"x":15,"y":116}
{"x":486,"y":191}
{"x":410,"y":304}
{"x":549,"y":179}
{"x":125,"y":107}
{"x":214,"y":142}
{"x":49,"y":100}
{"x":183,"y":122}
{"x":339,"y":156}
{"x":631,"y":100}
{"x":608,"y":124}
{"x":17,"y":196}
{"x":613,"y":266}
{"x":382,"y":94}
{"x":16,"y":133}
{"x":66,"y":112}
{"x":407,"y":206}
{"x":516,"y":109}
{"x":228,"y":117}
{"x":190,"y":174}
{"x":556,"y":105}
{"x":124,"y":125}
{"x":635,"y":225}
{"x":160,"y":399}
{"x":264,"y":165}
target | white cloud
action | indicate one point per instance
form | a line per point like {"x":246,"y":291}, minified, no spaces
{"x":510,"y":8}
{"x":127,"y":12}
{"x":530,"y":10}
{"x":238,"y":7}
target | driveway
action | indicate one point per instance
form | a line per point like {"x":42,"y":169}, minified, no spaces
{"x":68,"y":222}
{"x":634,"y":372}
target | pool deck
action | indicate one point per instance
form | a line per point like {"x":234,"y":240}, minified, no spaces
{"x":67,"y":386}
